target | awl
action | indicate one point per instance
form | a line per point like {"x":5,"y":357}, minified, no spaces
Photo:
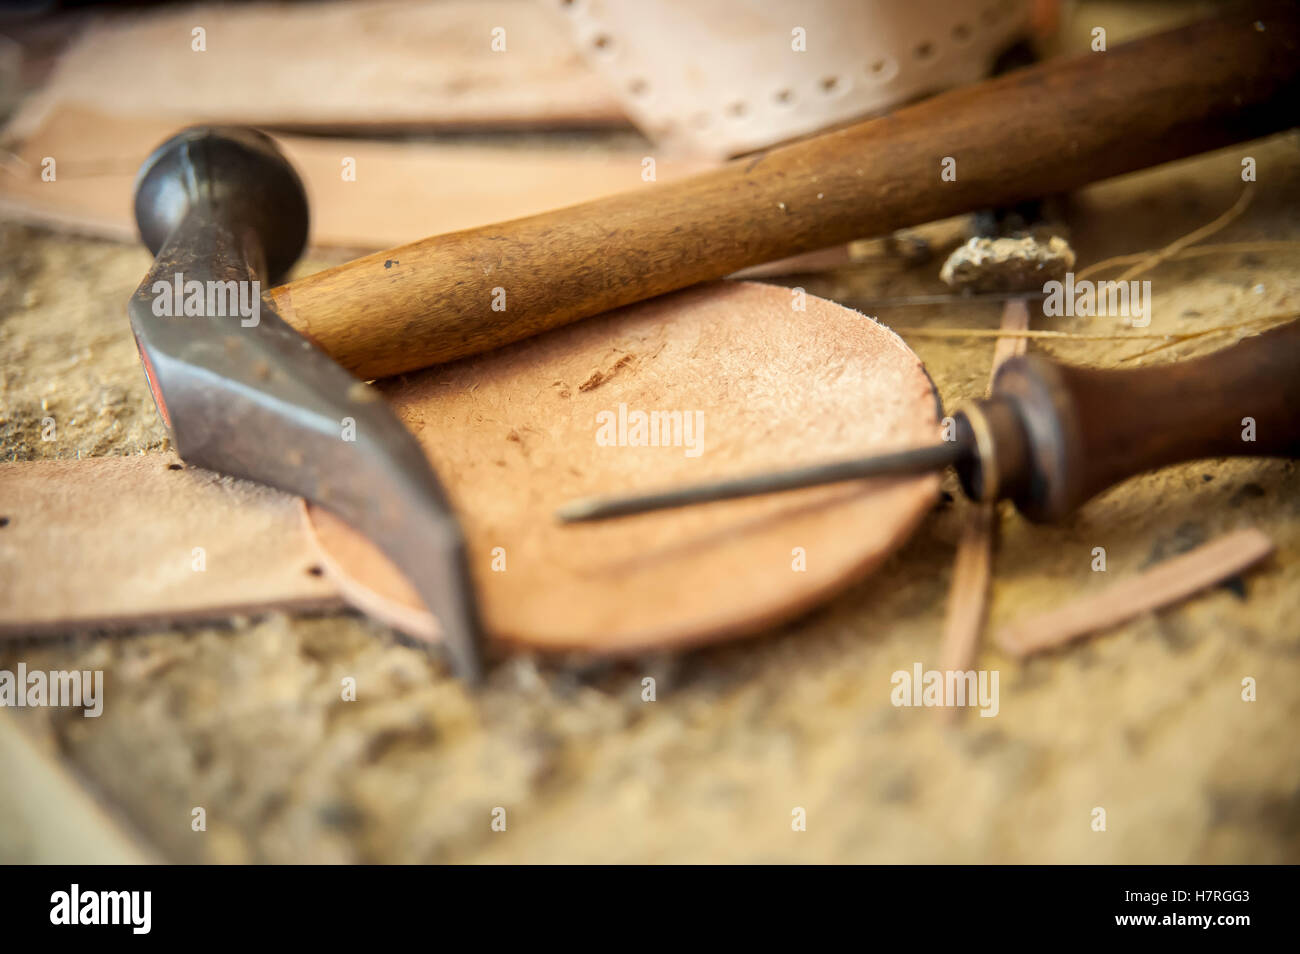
{"x":1051,"y":436}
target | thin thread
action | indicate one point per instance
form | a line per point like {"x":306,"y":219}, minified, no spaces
{"x":920,"y":332}
{"x":1224,"y":248}
{"x":1191,"y":238}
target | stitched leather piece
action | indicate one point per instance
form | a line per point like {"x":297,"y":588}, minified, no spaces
{"x":775,"y":71}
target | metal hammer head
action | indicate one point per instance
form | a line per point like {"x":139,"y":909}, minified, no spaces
{"x":239,"y":173}
{"x":243,"y":393}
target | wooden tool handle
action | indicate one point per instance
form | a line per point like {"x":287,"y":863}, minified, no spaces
{"x":1060,"y":434}
{"x":1031,"y":133}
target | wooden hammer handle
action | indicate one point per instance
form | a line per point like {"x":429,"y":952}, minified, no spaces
{"x":1031,"y":133}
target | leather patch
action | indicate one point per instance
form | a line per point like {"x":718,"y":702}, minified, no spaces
{"x":722,"y":380}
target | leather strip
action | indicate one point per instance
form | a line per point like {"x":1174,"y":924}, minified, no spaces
{"x":109,"y":542}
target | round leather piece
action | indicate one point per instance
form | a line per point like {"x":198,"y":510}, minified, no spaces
{"x":722,"y":380}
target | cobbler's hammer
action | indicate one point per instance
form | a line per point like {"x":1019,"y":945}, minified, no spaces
{"x":244,"y":394}
{"x":270,"y":397}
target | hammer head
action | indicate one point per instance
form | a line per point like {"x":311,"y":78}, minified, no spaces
{"x":244,"y":394}
{"x":241,"y":175}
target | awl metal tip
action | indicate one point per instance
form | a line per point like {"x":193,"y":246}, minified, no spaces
{"x":899,"y":463}
{"x":581,"y":509}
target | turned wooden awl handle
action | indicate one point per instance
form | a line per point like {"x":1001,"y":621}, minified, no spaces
{"x":1031,"y":133}
{"x":1055,"y":435}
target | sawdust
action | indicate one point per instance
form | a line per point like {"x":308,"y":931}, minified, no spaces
{"x":71,"y":384}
